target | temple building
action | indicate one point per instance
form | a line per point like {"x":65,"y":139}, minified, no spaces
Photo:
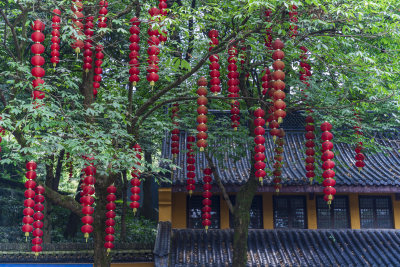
{"x":294,"y":227}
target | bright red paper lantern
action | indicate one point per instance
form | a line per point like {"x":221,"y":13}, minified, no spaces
{"x":328,"y":164}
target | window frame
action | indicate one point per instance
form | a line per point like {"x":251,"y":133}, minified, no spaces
{"x":215,"y":200}
{"x":259,"y":200}
{"x":331,"y":210}
{"x":375,"y":220}
{"x":291,"y":215}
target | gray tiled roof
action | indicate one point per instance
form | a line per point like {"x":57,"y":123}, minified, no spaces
{"x":191,"y":247}
{"x":382,"y":169}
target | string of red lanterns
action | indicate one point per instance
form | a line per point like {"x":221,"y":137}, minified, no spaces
{"x":175,"y":131}
{"x":214,"y":65}
{"x":135,"y":182}
{"x":206,"y":210}
{"x":277,"y":173}
{"x":279,"y":76}
{"x":102,"y":14}
{"x":310,"y":151}
{"x":268,"y":39}
{"x":37,"y":60}
{"x":153,"y":49}
{"x":134,"y":47}
{"x":293,"y":19}
{"x":98,"y":70}
{"x":87,"y":53}
{"x":233,"y":86}
{"x":360,"y":157}
{"x":243,"y":57}
{"x":163,"y":11}
{"x":202,"y":111}
{"x":77,"y":18}
{"x":38,"y":217}
{"x":87,"y":200}
{"x":110,"y":214}
{"x":55,"y":39}
{"x":328,"y":164}
{"x":29,"y":202}
{"x":259,"y":140}
{"x":69,"y":166}
{"x":191,"y":167}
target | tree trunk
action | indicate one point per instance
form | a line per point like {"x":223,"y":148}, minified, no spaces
{"x":101,"y":259}
{"x":147,"y":209}
{"x":241,"y":216}
{"x":73,"y":221}
{"x":124,"y":190}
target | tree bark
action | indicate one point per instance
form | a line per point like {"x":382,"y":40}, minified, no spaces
{"x":242,"y":220}
{"x":124,"y":190}
{"x":147,"y":209}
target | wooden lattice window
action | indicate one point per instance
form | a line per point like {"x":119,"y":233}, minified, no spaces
{"x":290,"y":212}
{"x":194,"y":205}
{"x":376,"y":212}
{"x":256,"y":213}
{"x":334,"y":217}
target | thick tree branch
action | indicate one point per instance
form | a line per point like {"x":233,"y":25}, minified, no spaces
{"x":63,"y":201}
{"x":219,"y":183}
{"x":14,"y":34}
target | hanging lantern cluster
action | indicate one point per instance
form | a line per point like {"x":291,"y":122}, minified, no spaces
{"x":87,"y":200}
{"x":279,"y":76}
{"x":202,"y":111}
{"x":87,"y":53}
{"x":175,"y":131}
{"x":214,"y":65}
{"x":153,"y":49}
{"x":102,"y":14}
{"x":191,"y":167}
{"x":134,"y":47}
{"x":233,"y":86}
{"x":360,"y":157}
{"x":310,"y":151}
{"x":277,"y":173}
{"x":266,"y":78}
{"x":69,"y":166}
{"x":305,"y":68}
{"x":37,"y":60}
{"x":328,"y":164}
{"x":259,"y":140}
{"x":29,"y":202}
{"x":206,"y":210}
{"x":77,"y":19}
{"x":163,"y":11}
{"x":268,"y":38}
{"x":98,"y":70}
{"x":38,"y":217}
{"x":55,"y":39}
{"x":135,"y":182}
{"x":110,"y":214}
{"x":293,"y":19}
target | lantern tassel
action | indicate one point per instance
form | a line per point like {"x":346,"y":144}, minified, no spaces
{"x":86,"y":235}
{"x":134,"y":211}
{"x":108,"y":251}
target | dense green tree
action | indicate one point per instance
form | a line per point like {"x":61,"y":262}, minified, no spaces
{"x":354,"y":53}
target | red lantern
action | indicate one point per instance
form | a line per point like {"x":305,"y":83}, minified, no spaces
{"x":360,"y":157}
{"x":135,"y":182}
{"x":134,"y":54}
{"x":97,"y":69}
{"x":191,"y":167}
{"x":206,"y":210}
{"x":37,"y":60}
{"x":163,"y":11}
{"x":328,"y":164}
{"x":202,"y":111}
{"x":214,"y":65}
{"x":293,"y":19}
{"x":29,"y":203}
{"x":110,"y":222}
{"x":259,"y":131}
{"x":278,"y":76}
{"x":38,"y":216}
{"x":55,"y":54}
{"x":233,"y":85}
